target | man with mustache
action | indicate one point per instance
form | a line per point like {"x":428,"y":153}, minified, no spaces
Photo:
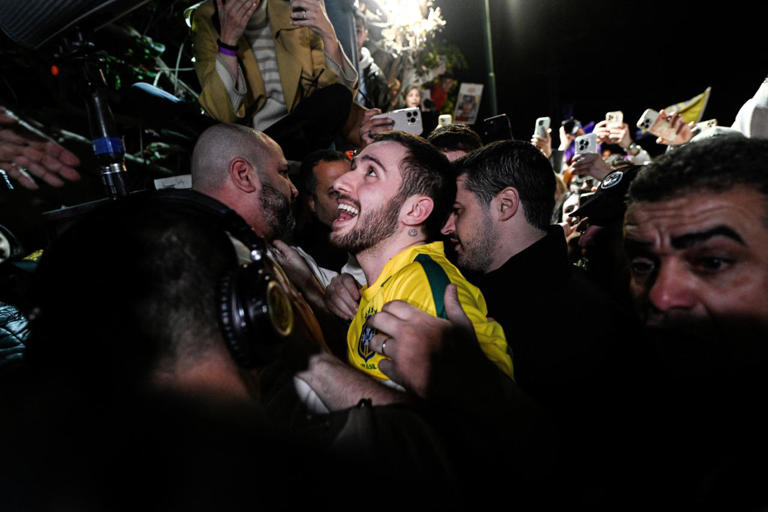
{"x":696,"y":239}
{"x":392,"y":205}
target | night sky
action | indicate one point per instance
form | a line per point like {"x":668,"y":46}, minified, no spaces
{"x":552,"y":57}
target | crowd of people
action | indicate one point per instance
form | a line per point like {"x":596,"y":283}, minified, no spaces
{"x":339,"y":314}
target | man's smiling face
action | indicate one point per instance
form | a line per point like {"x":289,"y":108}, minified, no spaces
{"x":369,"y":197}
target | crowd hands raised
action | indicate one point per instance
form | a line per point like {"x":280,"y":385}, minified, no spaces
{"x":436,"y":311}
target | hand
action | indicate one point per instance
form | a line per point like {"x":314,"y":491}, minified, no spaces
{"x":22,"y":150}
{"x":565,"y":139}
{"x":313,"y":16}
{"x":590,"y":164}
{"x":602,"y":131}
{"x":544,"y":144}
{"x":415,"y":340}
{"x":619,"y":134}
{"x":294,"y":265}
{"x":683,"y":130}
{"x":369,"y":126}
{"x":342,"y":296}
{"x":233,"y":17}
{"x":573,"y":227}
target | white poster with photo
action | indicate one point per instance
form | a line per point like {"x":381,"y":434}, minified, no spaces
{"x":468,"y":103}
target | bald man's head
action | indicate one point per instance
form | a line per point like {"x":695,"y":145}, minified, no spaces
{"x":246,"y":170}
{"x":218,"y":146}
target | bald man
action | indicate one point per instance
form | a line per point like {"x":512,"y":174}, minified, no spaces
{"x":247,"y":171}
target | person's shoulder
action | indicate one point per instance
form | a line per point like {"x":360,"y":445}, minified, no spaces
{"x":200,"y":10}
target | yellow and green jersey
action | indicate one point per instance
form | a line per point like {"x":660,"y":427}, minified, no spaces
{"x":419,"y":275}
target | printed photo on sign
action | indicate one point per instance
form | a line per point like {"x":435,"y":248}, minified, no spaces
{"x":468,"y":103}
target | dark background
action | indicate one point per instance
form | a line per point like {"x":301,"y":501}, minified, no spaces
{"x":589,"y":57}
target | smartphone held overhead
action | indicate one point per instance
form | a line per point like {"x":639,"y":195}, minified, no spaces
{"x":542,"y":127}
{"x":585,"y":144}
{"x":406,"y":120}
{"x":658,"y":125}
{"x":615,"y":118}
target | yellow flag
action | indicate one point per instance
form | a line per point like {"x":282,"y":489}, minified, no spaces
{"x":692,"y":109}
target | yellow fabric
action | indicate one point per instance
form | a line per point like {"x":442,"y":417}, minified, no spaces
{"x":300,"y":60}
{"x":692,"y":109}
{"x":405,"y":279}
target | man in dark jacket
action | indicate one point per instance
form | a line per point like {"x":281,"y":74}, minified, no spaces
{"x":568,"y":338}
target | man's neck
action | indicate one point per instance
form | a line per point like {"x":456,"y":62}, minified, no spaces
{"x":373,"y":260}
{"x":515,"y":243}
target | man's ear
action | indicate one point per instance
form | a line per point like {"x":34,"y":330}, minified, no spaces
{"x":311,"y":204}
{"x":416,"y":209}
{"x":506,"y":203}
{"x":243,"y":175}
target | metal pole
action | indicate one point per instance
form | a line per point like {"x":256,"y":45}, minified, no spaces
{"x":491,"y":86}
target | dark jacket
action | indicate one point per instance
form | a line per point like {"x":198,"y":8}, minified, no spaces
{"x":573,"y":351}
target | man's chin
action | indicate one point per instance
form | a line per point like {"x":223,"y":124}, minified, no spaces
{"x":707,"y":348}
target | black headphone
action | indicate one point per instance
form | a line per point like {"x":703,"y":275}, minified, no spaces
{"x":255,"y":310}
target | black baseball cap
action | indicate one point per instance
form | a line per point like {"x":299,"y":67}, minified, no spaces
{"x":607,"y":204}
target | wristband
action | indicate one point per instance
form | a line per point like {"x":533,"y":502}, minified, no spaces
{"x":227,"y":51}
{"x":226,"y":46}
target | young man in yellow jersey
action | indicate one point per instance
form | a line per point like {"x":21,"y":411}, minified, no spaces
{"x":392,"y":205}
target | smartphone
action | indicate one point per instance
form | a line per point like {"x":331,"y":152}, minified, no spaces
{"x":586,"y":143}
{"x":651,"y":122}
{"x":496,"y":128}
{"x":703,"y":125}
{"x":444,"y":120}
{"x":406,"y":120}
{"x":542,"y":127}
{"x":615,"y":117}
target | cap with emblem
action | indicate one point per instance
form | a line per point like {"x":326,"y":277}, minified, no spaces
{"x":607,"y":204}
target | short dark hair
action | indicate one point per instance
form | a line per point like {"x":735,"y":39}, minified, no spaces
{"x":511,"y":163}
{"x":129,"y":288}
{"x":307,"y":178}
{"x":715,"y":164}
{"x":455,"y":137}
{"x":426,"y":171}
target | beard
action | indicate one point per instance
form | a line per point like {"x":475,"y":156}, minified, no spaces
{"x":477,"y":254}
{"x":371,"y":228}
{"x":278,"y":214}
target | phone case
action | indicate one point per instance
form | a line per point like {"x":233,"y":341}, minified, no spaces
{"x":406,"y":120}
{"x":615,"y":117}
{"x":651,"y":122}
{"x":542,"y":125}
{"x":586,"y":143}
{"x":495,"y":128}
{"x":709,"y":123}
{"x":647,"y":119}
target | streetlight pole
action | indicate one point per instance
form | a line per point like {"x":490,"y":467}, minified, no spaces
{"x":488,"y":43}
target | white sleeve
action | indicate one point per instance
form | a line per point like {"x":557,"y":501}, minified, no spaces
{"x":347,"y":72}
